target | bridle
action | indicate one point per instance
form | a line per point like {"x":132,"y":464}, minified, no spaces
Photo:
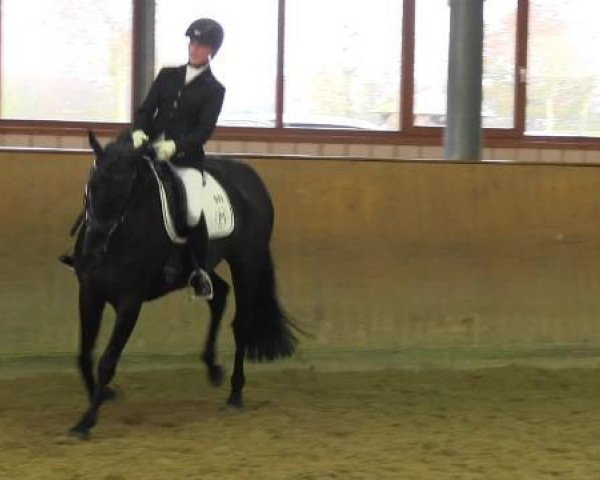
{"x":111,"y":226}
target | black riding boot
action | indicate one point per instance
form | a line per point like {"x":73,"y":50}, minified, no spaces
{"x":67,"y":258}
{"x":198,"y":242}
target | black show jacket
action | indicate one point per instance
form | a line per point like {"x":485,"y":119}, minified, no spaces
{"x":186,"y":114}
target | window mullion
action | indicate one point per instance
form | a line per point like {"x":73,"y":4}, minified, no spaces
{"x":521,"y":65}
{"x":407,"y":65}
{"x":280,"y":85}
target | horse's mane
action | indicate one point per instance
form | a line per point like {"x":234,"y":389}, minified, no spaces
{"x":120,"y":151}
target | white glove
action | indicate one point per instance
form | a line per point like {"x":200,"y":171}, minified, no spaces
{"x":164,"y":149}
{"x":139,"y":137}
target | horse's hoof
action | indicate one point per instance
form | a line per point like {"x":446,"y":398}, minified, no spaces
{"x":229,"y":409}
{"x":79,"y":433}
{"x":234,"y":403}
{"x":215,"y":375}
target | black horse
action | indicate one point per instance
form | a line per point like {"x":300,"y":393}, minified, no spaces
{"x":122,"y":250}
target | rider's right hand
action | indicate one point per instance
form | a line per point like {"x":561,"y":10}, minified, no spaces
{"x":139,"y":137}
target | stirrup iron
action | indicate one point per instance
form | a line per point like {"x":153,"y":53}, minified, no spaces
{"x":201,"y":283}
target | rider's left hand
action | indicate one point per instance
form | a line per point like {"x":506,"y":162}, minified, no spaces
{"x":164,"y":149}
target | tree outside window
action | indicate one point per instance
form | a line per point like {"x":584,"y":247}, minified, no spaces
{"x":342,"y":64}
{"x":563,"y":78}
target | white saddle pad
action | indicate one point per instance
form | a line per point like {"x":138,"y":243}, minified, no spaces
{"x":203,"y":195}
{"x":206,"y":195}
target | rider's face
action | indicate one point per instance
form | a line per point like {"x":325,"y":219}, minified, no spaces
{"x":198,"y":53}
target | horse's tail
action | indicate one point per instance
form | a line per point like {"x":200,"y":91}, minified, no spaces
{"x":270,"y":337}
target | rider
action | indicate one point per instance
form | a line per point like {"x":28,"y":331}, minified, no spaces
{"x":179,"y":115}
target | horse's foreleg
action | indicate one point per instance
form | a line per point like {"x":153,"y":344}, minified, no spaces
{"x":90,"y":314}
{"x":217,"y":306}
{"x":127,"y":314}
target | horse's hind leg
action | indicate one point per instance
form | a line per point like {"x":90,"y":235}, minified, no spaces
{"x":238,"y":379}
{"x":244,"y":279}
{"x":127,"y":315}
{"x":90,"y":315}
{"x":217,"y":306}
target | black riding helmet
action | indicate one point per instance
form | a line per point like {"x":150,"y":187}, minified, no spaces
{"x":207,"y":32}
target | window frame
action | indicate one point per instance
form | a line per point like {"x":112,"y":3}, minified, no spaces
{"x":408,"y":134}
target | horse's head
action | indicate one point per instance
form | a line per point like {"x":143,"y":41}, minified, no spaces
{"x":110,"y":190}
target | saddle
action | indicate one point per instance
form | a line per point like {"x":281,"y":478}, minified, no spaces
{"x":175,"y":196}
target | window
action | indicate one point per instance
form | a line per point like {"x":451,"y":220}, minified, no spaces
{"x":498,"y":83}
{"x":563,"y":79}
{"x":247,"y":61}
{"x":432,"y":25}
{"x":431,"y":62}
{"x":342,"y":64}
{"x":368,"y":72}
{"x":62,"y":60}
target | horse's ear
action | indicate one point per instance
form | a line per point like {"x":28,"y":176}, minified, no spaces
{"x":95,"y":144}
